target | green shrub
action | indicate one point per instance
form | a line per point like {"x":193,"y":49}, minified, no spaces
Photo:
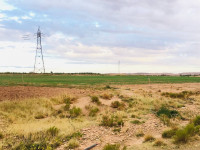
{"x":95,"y":99}
{"x":183,"y":135}
{"x":167,"y":112}
{"x":75,"y":112}
{"x":112,"y":121}
{"x":136,"y":122}
{"x":169,"y":133}
{"x":111,"y":147}
{"x":67,"y":104}
{"x":53,"y":131}
{"x":93,"y":111}
{"x":196,"y":121}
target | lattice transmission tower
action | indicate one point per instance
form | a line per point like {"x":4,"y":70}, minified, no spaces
{"x":39,"y":60}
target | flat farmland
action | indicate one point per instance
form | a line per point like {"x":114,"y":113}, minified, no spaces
{"x":68,"y":80}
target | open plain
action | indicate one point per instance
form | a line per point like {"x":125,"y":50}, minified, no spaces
{"x":114,"y":116}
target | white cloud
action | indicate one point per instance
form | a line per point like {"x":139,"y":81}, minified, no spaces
{"x":5,"y":6}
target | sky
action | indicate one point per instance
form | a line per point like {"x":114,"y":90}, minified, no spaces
{"x":150,"y":36}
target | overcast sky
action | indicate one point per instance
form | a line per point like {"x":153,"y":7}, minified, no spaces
{"x":93,"y":35}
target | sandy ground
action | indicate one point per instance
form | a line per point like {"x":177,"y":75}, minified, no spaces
{"x":98,"y":134}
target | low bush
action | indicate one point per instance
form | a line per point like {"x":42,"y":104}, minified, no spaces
{"x":93,"y":111}
{"x":95,"y":99}
{"x":75,"y":112}
{"x":112,"y":121}
{"x":111,"y":147}
{"x":169,"y":133}
{"x":196,"y":121}
{"x":167,"y":112}
{"x":149,"y":138}
{"x":183,"y":135}
{"x":136,"y":122}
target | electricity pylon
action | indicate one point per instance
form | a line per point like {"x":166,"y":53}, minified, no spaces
{"x":39,"y":61}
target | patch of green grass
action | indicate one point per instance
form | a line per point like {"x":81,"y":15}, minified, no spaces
{"x":136,"y":122}
{"x":111,"y":147}
{"x":167,"y":112}
{"x":93,"y":111}
{"x":53,"y":131}
{"x":63,"y":80}
{"x":112,"y":121}
{"x":75,"y":112}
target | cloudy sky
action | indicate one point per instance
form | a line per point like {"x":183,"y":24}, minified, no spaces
{"x":94,"y":35}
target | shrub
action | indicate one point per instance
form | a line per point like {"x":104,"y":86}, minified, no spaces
{"x":136,"y":122}
{"x":140,"y":134}
{"x":53,"y":131}
{"x":106,"y":96}
{"x":72,"y":144}
{"x":159,"y":143}
{"x":111,"y":147}
{"x":95,"y":99}
{"x":169,"y":133}
{"x":1,"y":135}
{"x":75,"y":112}
{"x":167,"y":112}
{"x":115,"y":104}
{"x":93,"y":111}
{"x":67,"y":104}
{"x":112,"y":121}
{"x":196,"y":121}
{"x":183,"y":135}
{"x":149,"y":138}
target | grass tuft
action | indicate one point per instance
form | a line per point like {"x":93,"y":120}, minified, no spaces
{"x":111,"y":147}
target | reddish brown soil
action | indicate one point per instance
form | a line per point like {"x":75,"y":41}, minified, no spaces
{"x":23,"y":92}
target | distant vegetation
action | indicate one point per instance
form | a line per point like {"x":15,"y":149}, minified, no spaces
{"x":64,"y":80}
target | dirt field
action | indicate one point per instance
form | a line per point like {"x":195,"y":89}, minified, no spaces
{"x":147,"y":99}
